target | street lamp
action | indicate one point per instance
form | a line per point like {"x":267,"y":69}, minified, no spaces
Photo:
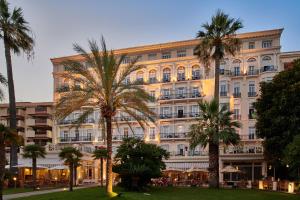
{"x":15,"y":181}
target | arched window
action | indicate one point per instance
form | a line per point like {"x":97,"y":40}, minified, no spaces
{"x":166,"y":75}
{"x":266,"y":58}
{"x":251,"y":60}
{"x":196,"y":75}
{"x":152,"y":76}
{"x":140,"y":77}
{"x":180,"y":74}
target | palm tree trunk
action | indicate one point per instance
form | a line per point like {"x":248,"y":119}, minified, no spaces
{"x":217,"y":78}
{"x":101,"y":172}
{"x":34,"y":173}
{"x":213,"y":176}
{"x":2,"y":163}
{"x":71,"y":168}
{"x":214,"y":148}
{"x":12,"y":106}
{"x":75,"y":175}
{"x":109,"y":181}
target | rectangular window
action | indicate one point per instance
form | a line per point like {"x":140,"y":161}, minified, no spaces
{"x":251,"y":45}
{"x":236,"y":113}
{"x":152,"y":93}
{"x":181,"y":53}
{"x":237,"y":71}
{"x":152,"y":56}
{"x":266,"y":43}
{"x":180,"y":92}
{"x":251,"y":87}
{"x":166,"y":94}
{"x":166,"y":55}
{"x":194,"y":111}
{"x":223,"y":88}
{"x":236,"y":90}
{"x":125,"y":132}
{"x":251,"y":135}
{"x":152,"y":133}
{"x":195,"y":92}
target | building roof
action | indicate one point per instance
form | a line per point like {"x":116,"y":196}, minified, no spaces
{"x":168,"y":45}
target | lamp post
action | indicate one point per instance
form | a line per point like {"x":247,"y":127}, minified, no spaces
{"x":15,"y":181}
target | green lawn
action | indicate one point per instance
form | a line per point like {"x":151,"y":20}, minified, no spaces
{"x":17,"y":190}
{"x":169,"y":194}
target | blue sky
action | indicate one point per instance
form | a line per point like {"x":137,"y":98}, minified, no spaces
{"x":57,"y":24}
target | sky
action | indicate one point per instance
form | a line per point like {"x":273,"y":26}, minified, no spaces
{"x":57,"y":24}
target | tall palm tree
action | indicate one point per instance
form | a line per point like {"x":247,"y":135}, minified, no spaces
{"x":34,"y":151}
{"x":217,"y":39}
{"x":104,"y":86}
{"x":70,"y":155}
{"x":213,"y":125}
{"x":7,"y":137}
{"x":101,"y":154}
{"x":17,"y":38}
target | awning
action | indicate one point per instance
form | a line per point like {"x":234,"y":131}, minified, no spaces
{"x":60,"y":167}
{"x":230,"y":169}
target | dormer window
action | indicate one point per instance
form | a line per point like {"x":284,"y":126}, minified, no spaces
{"x":181,"y":53}
{"x":251,"y":45}
{"x":267,"y":44}
{"x":166,"y":55}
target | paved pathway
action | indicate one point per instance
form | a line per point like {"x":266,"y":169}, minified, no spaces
{"x":27,"y":194}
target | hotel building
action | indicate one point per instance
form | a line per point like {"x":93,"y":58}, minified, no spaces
{"x":176,"y":78}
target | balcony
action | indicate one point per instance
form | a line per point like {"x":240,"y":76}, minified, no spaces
{"x":120,"y":137}
{"x":182,"y":152}
{"x":236,"y":117}
{"x":224,"y":72}
{"x":39,"y":122}
{"x":268,"y":68}
{"x":252,"y":94}
{"x":196,"y":77}
{"x":75,"y":139}
{"x":20,"y":113}
{"x":236,"y":73}
{"x":242,"y":150}
{"x":152,"y":80}
{"x":253,"y":72}
{"x":223,"y":94}
{"x":247,"y":137}
{"x":38,"y":134}
{"x":166,"y":79}
{"x":173,"y":135}
{"x":179,"y":115}
{"x":39,"y":111}
{"x":180,"y":96}
{"x":180,"y":77}
{"x":72,"y":121}
{"x":237,"y":95}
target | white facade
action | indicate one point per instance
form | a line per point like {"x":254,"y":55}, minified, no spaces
{"x":174,"y":76}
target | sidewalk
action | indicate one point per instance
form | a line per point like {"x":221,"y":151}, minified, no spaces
{"x":27,"y":194}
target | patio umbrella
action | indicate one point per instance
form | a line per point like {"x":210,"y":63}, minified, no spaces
{"x":193,"y":169}
{"x":230,"y":169}
{"x":30,"y":166}
{"x":59,"y":167}
{"x":172,"y":170}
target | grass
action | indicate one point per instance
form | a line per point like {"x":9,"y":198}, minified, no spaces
{"x":168,"y":194}
{"x":16,"y":190}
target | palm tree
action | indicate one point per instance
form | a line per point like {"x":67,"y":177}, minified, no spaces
{"x":17,"y":38}
{"x":7,"y":137}
{"x":76,"y":165}
{"x":103,"y":86}
{"x":217,"y":39}
{"x":213,"y":125}
{"x":70,"y":155}
{"x":34,"y":151}
{"x":100,"y":153}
